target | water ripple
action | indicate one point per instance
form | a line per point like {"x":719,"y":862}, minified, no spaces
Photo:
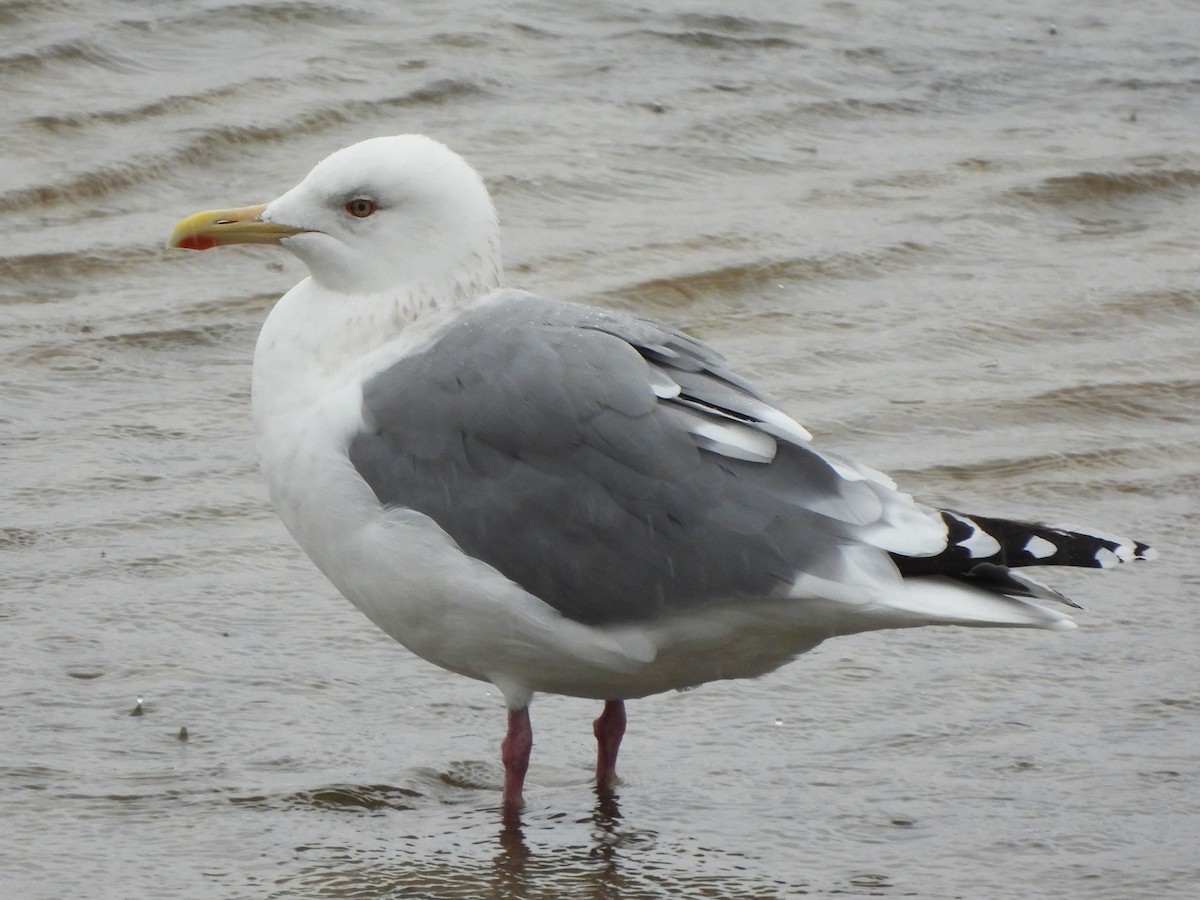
{"x":1086,"y":188}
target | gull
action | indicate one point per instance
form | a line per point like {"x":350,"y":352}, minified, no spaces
{"x":557,"y":498}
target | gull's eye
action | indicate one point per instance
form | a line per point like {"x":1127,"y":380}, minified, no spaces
{"x":361,"y":207}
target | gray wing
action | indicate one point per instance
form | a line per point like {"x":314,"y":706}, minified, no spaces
{"x":613,"y":467}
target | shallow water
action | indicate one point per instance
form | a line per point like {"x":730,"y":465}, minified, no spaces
{"x":960,"y":245}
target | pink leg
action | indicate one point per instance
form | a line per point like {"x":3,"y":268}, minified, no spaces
{"x":609,"y":729}
{"x":514,"y":751}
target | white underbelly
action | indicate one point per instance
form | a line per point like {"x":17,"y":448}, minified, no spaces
{"x":411,"y":579}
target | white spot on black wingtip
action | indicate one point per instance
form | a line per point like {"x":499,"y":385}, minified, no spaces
{"x":978,"y":544}
{"x":1039,"y":548}
{"x":1120,"y":549}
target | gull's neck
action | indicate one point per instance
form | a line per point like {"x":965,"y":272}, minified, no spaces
{"x":316,"y":340}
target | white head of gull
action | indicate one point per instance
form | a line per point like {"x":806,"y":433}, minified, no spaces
{"x":564,"y":499}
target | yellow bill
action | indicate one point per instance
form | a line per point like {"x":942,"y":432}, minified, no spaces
{"x":217,"y":227}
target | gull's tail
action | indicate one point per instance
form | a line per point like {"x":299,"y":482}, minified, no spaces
{"x":980,"y":556}
{"x":976,"y":540}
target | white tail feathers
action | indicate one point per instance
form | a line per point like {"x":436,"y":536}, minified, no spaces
{"x":935,"y":600}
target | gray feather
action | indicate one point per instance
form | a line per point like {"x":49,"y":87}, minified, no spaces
{"x":532,"y":433}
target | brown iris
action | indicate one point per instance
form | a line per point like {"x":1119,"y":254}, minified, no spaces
{"x":361,"y":207}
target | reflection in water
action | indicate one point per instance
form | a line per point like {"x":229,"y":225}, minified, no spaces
{"x":514,"y":853}
{"x":606,"y":817}
{"x":527,"y":858}
{"x":513,"y":862}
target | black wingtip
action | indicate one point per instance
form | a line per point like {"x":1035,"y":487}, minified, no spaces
{"x":1144,"y":552}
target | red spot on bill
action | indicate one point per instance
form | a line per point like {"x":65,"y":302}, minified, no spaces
{"x":197,"y":242}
